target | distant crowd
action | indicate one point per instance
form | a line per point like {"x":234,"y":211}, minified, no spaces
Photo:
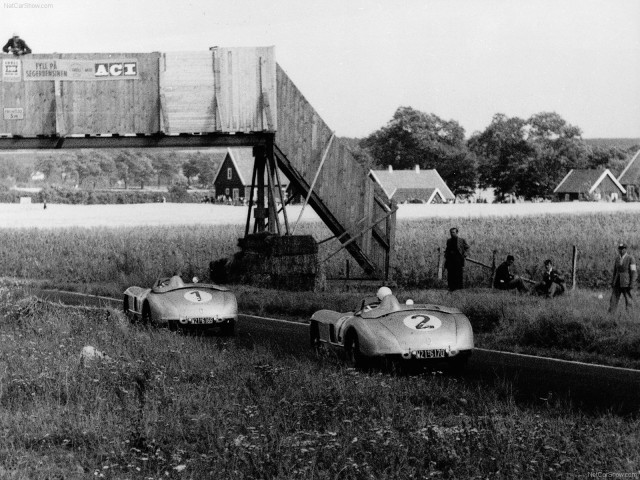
{"x":624,"y":274}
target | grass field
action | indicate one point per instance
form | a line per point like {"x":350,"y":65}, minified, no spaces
{"x":106,"y":260}
{"x":164,"y":405}
{"x":120,"y":235}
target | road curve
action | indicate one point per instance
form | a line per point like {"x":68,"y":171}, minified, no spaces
{"x":533,"y":379}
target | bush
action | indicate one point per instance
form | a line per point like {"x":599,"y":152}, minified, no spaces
{"x":178,"y":192}
{"x":72,"y":196}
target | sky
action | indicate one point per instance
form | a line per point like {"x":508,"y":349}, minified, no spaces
{"x":357,"y":61}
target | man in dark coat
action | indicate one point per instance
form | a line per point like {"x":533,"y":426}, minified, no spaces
{"x":505,"y":280}
{"x":454,"y":255}
{"x":552,"y":283}
{"x":625,"y":274}
{"x":16,"y":45}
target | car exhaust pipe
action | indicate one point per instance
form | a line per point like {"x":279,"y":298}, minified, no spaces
{"x":406,"y":355}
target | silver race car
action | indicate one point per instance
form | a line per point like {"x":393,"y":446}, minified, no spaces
{"x":175,"y":304}
{"x":387,"y":329}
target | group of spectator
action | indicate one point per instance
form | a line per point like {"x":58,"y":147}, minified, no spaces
{"x":624,"y":273}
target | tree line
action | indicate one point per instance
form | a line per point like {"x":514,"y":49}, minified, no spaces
{"x":115,"y":167}
{"x":522,"y":157}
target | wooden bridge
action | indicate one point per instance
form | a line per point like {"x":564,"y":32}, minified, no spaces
{"x":220,"y":97}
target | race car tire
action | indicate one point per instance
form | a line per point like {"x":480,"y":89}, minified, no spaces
{"x":314,"y":337}
{"x":352,"y":350}
{"x":228,"y":329}
{"x":458,"y":363}
{"x":146,"y":315}
{"x":127,"y":313}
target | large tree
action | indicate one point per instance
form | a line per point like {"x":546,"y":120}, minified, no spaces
{"x":166,"y":166}
{"x":200,"y":165}
{"x":413,"y":138}
{"x":528,"y":157}
{"x":133,"y":167}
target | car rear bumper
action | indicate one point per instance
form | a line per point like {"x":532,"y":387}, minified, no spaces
{"x":414,"y":358}
{"x":201,"y":324}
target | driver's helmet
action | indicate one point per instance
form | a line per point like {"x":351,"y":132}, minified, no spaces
{"x":383,"y":292}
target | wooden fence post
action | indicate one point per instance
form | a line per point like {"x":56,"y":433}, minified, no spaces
{"x":439,"y":265}
{"x":574,"y":264}
{"x":493,"y":267}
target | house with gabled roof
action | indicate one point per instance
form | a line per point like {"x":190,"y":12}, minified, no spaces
{"x":413,"y":186}
{"x":630,"y":178}
{"x":235,"y":174}
{"x":589,"y":185}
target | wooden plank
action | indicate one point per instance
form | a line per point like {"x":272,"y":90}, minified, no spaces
{"x":37,"y":101}
{"x":188,"y":89}
{"x":59,"y":102}
{"x":300,"y":133}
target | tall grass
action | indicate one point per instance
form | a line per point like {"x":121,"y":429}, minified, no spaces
{"x":108,"y":260}
{"x":530,"y":239}
{"x":165,"y":405}
{"x":121,"y":257}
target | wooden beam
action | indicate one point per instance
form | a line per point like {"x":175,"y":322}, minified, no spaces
{"x":139,"y":141}
{"x":272,"y":161}
{"x":355,"y":237}
{"x":251,"y":190}
{"x":324,"y":213}
{"x":60,"y":124}
{"x":313,"y":183}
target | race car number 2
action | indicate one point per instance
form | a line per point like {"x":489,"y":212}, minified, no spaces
{"x":422,"y":322}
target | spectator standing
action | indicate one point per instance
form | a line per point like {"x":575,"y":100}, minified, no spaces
{"x":16,"y":45}
{"x":625,"y":273}
{"x":454,"y":256}
{"x":505,"y":280}
{"x":552,"y":283}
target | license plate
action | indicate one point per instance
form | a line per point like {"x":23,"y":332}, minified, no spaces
{"x":440,"y":353}
{"x":199,"y":321}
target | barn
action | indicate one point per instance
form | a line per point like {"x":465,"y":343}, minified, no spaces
{"x":413,"y":186}
{"x":630,"y":178}
{"x":589,"y":185}
{"x":233,"y":179}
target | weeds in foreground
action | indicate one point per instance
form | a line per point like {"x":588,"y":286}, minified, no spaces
{"x":164,"y":405}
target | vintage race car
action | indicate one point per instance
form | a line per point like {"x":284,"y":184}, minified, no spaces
{"x":175,"y":304}
{"x":403,"y":333}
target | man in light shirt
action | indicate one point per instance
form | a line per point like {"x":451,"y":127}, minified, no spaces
{"x":625,"y":273}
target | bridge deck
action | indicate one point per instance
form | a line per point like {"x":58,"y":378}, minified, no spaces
{"x":220,"y":97}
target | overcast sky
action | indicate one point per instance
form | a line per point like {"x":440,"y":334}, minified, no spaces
{"x":357,"y":61}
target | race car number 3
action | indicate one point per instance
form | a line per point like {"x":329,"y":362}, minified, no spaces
{"x":197,"y":296}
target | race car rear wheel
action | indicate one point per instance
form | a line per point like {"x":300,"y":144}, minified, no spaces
{"x":314,"y":337}
{"x":146,"y":315}
{"x":229,"y":329}
{"x":352,"y":349}
{"x":128,"y":313}
{"x":458,"y":363}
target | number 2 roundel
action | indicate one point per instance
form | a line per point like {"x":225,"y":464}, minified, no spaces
{"x":422,"y":322}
